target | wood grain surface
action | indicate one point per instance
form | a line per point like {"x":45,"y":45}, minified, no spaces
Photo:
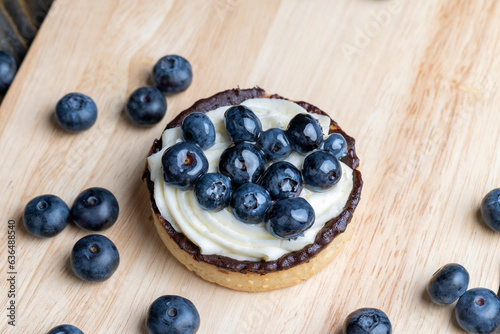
{"x":416,"y":83}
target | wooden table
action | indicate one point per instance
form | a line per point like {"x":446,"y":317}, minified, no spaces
{"x":416,"y":83}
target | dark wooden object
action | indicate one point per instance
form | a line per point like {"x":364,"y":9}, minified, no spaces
{"x":19,"y":23}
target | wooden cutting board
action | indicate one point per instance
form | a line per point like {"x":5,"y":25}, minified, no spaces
{"x":416,"y":83}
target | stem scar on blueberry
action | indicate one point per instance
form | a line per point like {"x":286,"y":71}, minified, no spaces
{"x":170,"y":63}
{"x":42,"y":205}
{"x":250,"y":201}
{"x":92,"y":200}
{"x":368,"y":320}
{"x":217,"y":187}
{"x":242,"y":165}
{"x":172,"y":312}
{"x":479,"y":301}
{"x":76,"y":102}
{"x":288,"y":184}
{"x":188,"y":159}
{"x":94,"y":249}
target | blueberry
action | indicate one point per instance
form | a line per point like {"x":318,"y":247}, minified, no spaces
{"x":183,"y":163}
{"x":304,"y":133}
{"x":172,"y":315}
{"x":335,"y":144}
{"x":448,"y":284}
{"x":289,"y":218}
{"x":8,"y":70}
{"x":199,"y":129}
{"x":94,"y":258}
{"x":490,"y":209}
{"x":76,"y":112}
{"x":242,"y":124}
{"x":65,"y":329}
{"x":478,"y":311}
{"x":172,"y":74}
{"x":282,"y":180}
{"x":367,"y":321}
{"x":213,"y":191}
{"x":46,"y":216}
{"x":275,"y":144}
{"x":146,"y":106}
{"x":250,"y":202}
{"x":242,"y":163}
{"x":95,"y":209}
{"x":321,"y":171}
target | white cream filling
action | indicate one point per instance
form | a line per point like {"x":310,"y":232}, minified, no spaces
{"x":220,"y":232}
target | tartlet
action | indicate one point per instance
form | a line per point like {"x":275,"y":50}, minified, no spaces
{"x":259,"y":275}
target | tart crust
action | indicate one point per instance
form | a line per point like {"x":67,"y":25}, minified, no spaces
{"x":289,"y":269}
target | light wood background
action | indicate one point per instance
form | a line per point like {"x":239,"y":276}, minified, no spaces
{"x":416,"y":83}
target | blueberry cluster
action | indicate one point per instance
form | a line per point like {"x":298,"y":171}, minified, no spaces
{"x":146,"y":106}
{"x":256,"y":194}
{"x":94,"y":258}
{"x":477,"y":310}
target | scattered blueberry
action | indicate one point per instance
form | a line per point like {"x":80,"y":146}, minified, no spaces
{"x":250,"y":202}
{"x":490,"y":209}
{"x":478,"y":311}
{"x":183,"y":163}
{"x":367,"y":321}
{"x":199,"y":129}
{"x":275,"y":144}
{"x":448,"y":284}
{"x":45,"y":216}
{"x":172,"y":315}
{"x":65,"y":329}
{"x":94,"y":258}
{"x":282,"y":180}
{"x":76,"y":112}
{"x":289,"y":218}
{"x":213,"y":191}
{"x":335,"y":144}
{"x":172,"y":74}
{"x":242,"y":163}
{"x":304,"y":133}
{"x":95,"y":209}
{"x":8,"y":70}
{"x":321,"y":171}
{"x":242,"y":124}
{"x":146,"y":106}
